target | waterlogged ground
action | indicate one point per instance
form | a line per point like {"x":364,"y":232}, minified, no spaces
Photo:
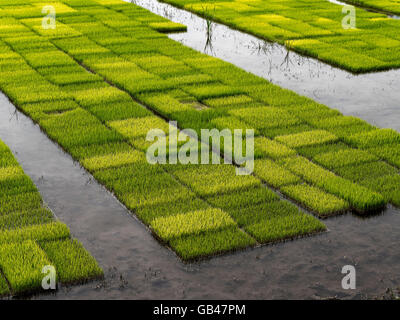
{"x":138,"y":267}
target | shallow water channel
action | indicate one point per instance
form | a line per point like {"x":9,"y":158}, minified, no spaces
{"x":138,"y":267}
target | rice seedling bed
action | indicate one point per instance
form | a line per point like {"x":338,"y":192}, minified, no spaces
{"x":314,"y":28}
{"x":27,"y":228}
{"x":389,"y":6}
{"x":118,"y":77}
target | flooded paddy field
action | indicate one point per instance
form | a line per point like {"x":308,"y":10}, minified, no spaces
{"x":137,"y":266}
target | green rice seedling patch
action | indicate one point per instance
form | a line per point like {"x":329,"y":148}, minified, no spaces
{"x":213,"y":179}
{"x":34,"y":93}
{"x":83,"y":136}
{"x":281,"y":131}
{"x":10,"y":173}
{"x":282,"y":228}
{"x":165,"y":104}
{"x":146,"y":193}
{"x":83,"y":152}
{"x":98,"y":96}
{"x":265,"y":117}
{"x":345,"y":132}
{"x":343,"y":158}
{"x":312,"y":151}
{"x":48,"y":59}
{"x":230,"y":101}
{"x":72,"y":262}
{"x":210,"y":243}
{"x":72,"y":78}
{"x":191,"y":223}
{"x":324,"y":204}
{"x":21,"y":219}
{"x":112,"y":160}
{"x":390,"y":6}
{"x":133,"y":128}
{"x":271,"y":148}
{"x":20,"y":184}
{"x":135,"y":170}
{"x":212,"y":90}
{"x":186,"y":79}
{"x":42,"y":109}
{"x":242,"y":198}
{"x":387,"y":185}
{"x":374,"y":138}
{"x":273,"y":174}
{"x":371,"y":170}
{"x":262,"y":212}
{"x":23,"y":201}
{"x":389,"y":152}
{"x":45,"y":232}
{"x":307,"y":138}
{"x":360,"y":198}
{"x":232,"y":123}
{"x":22,"y":265}
{"x":168,"y":27}
{"x":7,"y":159}
{"x":119,"y":111}
{"x":152,"y":211}
{"x":338,"y":121}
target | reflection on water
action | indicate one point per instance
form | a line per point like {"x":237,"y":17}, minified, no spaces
{"x":373,"y":97}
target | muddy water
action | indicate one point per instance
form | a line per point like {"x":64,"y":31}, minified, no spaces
{"x":373,"y":97}
{"x":138,"y":267}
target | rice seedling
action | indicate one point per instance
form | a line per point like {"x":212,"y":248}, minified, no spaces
{"x":265,"y":117}
{"x":307,"y":138}
{"x":343,"y":158}
{"x":22,"y":264}
{"x":271,"y":148}
{"x":113,"y":160}
{"x":211,"y":243}
{"x":370,"y":170}
{"x":282,"y":228}
{"x":160,"y":210}
{"x":242,"y":198}
{"x":374,"y":138}
{"x":193,"y":223}
{"x":324,"y":204}
{"x":213,"y":179}
{"x":273,"y":174}
{"x":72,"y":262}
{"x":360,"y":198}
{"x":389,"y":152}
